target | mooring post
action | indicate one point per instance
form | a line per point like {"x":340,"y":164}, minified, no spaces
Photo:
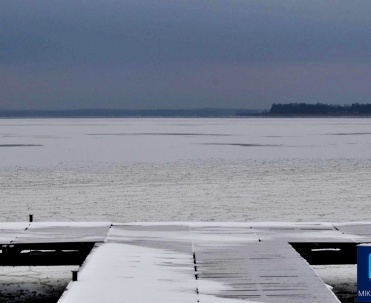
{"x":31,"y":218}
{"x":74,"y":275}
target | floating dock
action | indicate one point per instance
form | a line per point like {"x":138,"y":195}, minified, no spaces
{"x":187,"y":262}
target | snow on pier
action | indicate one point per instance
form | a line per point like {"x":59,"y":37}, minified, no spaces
{"x":187,"y":262}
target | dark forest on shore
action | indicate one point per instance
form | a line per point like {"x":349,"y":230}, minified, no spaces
{"x":319,"y":109}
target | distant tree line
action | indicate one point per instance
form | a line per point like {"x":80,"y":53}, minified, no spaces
{"x":122,"y":113}
{"x":319,"y":109}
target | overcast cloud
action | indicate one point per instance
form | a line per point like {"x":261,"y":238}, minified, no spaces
{"x":183,"y":54}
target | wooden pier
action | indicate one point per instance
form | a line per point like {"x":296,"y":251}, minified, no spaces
{"x":187,"y":262}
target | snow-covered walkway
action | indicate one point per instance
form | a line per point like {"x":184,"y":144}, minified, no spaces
{"x":192,"y":262}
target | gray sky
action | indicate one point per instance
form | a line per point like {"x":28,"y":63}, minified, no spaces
{"x":134,"y":54}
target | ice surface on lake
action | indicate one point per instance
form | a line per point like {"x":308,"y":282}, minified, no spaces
{"x":47,"y":142}
{"x":127,"y":170}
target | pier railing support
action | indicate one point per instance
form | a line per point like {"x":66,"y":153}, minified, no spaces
{"x":74,"y":275}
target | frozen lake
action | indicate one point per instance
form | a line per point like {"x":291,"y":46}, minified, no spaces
{"x":180,"y":170}
{"x":248,"y":169}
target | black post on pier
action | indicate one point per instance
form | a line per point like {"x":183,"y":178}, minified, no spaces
{"x":74,"y":275}
{"x":31,"y":218}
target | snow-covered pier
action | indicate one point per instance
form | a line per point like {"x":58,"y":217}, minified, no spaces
{"x":187,"y":262}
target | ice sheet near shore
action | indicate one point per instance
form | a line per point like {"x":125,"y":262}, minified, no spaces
{"x":343,"y":279}
{"x":207,"y":190}
{"x":25,"y":284}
